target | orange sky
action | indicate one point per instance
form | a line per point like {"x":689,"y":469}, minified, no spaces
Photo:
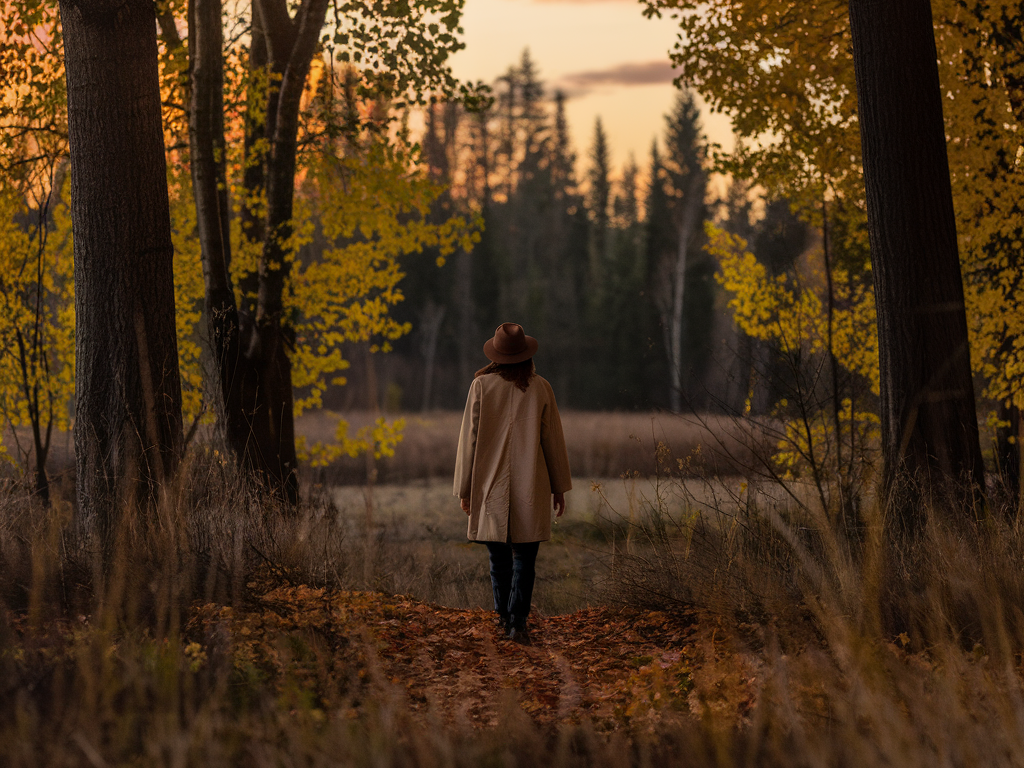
{"x":604,"y":53}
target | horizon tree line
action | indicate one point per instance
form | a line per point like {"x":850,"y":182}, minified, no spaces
{"x":606,"y":268}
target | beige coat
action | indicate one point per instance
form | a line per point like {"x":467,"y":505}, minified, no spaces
{"x":511,"y":459}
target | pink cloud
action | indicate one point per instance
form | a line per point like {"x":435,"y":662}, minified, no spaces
{"x":633,"y":73}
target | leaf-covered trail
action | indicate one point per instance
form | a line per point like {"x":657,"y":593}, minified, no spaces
{"x":611,"y":667}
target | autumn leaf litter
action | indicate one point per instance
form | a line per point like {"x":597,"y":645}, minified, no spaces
{"x":612,"y":667}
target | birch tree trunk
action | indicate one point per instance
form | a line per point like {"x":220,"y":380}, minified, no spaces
{"x":689,"y":220}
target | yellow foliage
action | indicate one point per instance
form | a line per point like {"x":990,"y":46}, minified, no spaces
{"x":986,"y":147}
{"x":188,"y":294}
{"x":784,"y":74}
{"x":373,"y":208}
{"x":807,"y":440}
{"x":37,"y":316}
{"x":381,"y":438}
{"x":790,"y":312}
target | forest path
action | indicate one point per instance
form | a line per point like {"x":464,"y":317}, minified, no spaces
{"x":614,"y":668}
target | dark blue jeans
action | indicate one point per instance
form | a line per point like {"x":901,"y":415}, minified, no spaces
{"x":512,"y":577}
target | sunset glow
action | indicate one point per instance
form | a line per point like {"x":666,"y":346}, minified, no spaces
{"x":611,"y":61}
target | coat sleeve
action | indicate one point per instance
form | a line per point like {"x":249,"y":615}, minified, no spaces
{"x":552,"y":442}
{"x":467,"y":443}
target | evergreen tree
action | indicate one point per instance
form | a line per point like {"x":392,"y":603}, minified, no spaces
{"x":631,"y":327}
{"x":596,"y":389}
{"x":566,"y":263}
{"x":598,"y":203}
{"x":533,"y":226}
{"x":659,"y":248}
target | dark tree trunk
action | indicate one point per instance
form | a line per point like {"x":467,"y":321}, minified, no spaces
{"x":930,"y":441}
{"x":258,"y":446}
{"x":290,"y":45}
{"x":250,"y":343}
{"x":467,"y":313}
{"x":209,"y":183}
{"x":254,"y":176}
{"x":128,"y":400}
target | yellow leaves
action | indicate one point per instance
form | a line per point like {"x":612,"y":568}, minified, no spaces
{"x":381,"y":438}
{"x":808,"y":440}
{"x":37,"y":350}
{"x":188,"y":293}
{"x":791,"y":310}
{"x":372,"y":208}
{"x":196,"y":655}
{"x":765,"y":307}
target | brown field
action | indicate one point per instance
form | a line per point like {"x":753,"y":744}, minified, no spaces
{"x":600,"y":445}
{"x":420,"y":547}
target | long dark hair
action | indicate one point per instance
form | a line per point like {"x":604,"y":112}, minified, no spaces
{"x":518,"y":373}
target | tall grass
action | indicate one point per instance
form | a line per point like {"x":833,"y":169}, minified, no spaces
{"x":100,"y":666}
{"x":869,"y":652}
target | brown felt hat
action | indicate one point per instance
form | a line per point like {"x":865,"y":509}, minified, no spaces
{"x":510,"y":345}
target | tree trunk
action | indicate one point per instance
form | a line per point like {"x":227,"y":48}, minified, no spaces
{"x":128,"y":430}
{"x":467,"y":313}
{"x":431,"y":319}
{"x":267,"y":386}
{"x":250,"y":344}
{"x":209,"y":185}
{"x":688,"y":222}
{"x":930,"y":443}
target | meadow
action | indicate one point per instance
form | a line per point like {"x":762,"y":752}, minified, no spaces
{"x":605,"y":445}
{"x":683,"y":617}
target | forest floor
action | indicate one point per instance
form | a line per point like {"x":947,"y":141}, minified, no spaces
{"x":613,"y":668}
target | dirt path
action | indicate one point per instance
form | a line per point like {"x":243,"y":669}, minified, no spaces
{"x":613,"y":668}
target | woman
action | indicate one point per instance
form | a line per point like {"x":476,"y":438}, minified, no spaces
{"x":511,"y":460}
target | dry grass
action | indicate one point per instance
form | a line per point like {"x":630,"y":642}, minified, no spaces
{"x":600,"y":445}
{"x":104,"y":668}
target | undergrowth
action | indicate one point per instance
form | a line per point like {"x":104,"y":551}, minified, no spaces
{"x":855,"y":657}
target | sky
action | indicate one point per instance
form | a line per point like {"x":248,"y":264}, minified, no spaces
{"x":604,"y":54}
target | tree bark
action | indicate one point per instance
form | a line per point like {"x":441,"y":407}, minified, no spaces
{"x":266,"y":387}
{"x":930,"y":445}
{"x":250,"y":343}
{"x":128,"y":430}
{"x":464,"y":300}
{"x":209,"y":184}
{"x":689,"y":220}
{"x":431,"y":319}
